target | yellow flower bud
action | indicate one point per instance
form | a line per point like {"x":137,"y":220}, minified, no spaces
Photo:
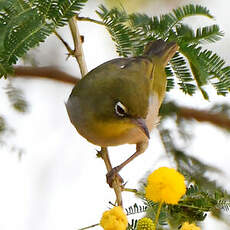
{"x":114,"y":219}
{"x":187,"y":226}
{"x":165,"y":185}
{"x":145,"y":224}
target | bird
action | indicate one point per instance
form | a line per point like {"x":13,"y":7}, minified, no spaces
{"x":118,"y":102}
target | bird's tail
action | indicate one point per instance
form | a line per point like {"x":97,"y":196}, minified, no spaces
{"x":160,"y":50}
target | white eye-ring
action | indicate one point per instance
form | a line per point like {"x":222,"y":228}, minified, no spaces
{"x":120,"y":109}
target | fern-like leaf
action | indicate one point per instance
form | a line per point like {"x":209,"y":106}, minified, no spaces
{"x":133,"y":225}
{"x":2,"y":125}
{"x":16,"y":98}
{"x":126,"y":39}
{"x":170,"y":80}
{"x":207,"y":34}
{"x":135,"y":209}
{"x":197,"y":64}
{"x":224,"y":204}
{"x":162,"y":26}
{"x":21,"y":4}
{"x":24,"y":24}
{"x":191,"y":10}
{"x":207,"y":65}
{"x":24,"y":35}
{"x":59,"y":11}
{"x":217,"y":69}
{"x":179,"y":66}
{"x":132,"y":32}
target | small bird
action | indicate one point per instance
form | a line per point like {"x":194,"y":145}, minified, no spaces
{"x":118,"y":102}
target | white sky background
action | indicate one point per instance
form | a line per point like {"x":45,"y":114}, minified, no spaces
{"x":59,"y":184}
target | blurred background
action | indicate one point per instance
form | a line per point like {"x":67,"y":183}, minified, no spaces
{"x":50,"y":177}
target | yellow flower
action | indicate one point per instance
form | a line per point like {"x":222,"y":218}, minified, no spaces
{"x":145,"y":224}
{"x":165,"y":185}
{"x":187,"y":226}
{"x":114,"y":219}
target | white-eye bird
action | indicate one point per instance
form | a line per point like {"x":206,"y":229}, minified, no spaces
{"x":118,"y":102}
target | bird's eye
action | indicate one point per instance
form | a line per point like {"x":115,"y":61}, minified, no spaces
{"x":120,"y":109}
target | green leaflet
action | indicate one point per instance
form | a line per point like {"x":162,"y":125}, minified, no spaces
{"x":195,"y":67}
{"x":25,"y":24}
{"x":182,"y":72}
{"x":16,"y":98}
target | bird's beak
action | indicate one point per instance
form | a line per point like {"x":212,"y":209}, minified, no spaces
{"x":141,"y":124}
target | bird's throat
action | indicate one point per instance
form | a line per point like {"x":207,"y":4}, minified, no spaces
{"x":107,"y":133}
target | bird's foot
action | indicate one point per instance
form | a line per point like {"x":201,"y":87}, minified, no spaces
{"x":113,"y":175}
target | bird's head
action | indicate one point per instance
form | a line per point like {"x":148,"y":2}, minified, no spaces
{"x":123,"y":102}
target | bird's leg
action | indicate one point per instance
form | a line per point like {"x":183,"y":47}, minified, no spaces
{"x":140,"y":148}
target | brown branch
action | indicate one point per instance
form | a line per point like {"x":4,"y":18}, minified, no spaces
{"x":117,"y":186}
{"x":49,"y":72}
{"x":79,"y":55}
{"x":219,"y":119}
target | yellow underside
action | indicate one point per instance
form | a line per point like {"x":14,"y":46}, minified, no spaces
{"x":111,"y":130}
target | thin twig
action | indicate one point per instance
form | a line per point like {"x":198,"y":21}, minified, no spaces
{"x":194,"y":207}
{"x":64,"y":43}
{"x":158,"y":214}
{"x":116,"y":183}
{"x":87,"y":19}
{"x":130,"y":190}
{"x":91,"y":226}
{"x":78,"y":51}
{"x":82,"y":64}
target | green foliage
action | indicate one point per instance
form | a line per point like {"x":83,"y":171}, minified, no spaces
{"x":16,"y":98}
{"x":190,"y":10}
{"x":200,"y":199}
{"x":151,"y":211}
{"x":180,"y":69}
{"x":193,"y":207}
{"x":170,"y":78}
{"x":3,"y":129}
{"x":58,"y":11}
{"x":207,"y":34}
{"x":2,"y":125}
{"x":25,"y":24}
{"x":127,"y":40}
{"x":132,"y":210}
{"x":192,"y":168}
{"x":193,"y":66}
{"x":132,"y":225}
{"x":203,"y":194}
{"x":135,"y":209}
{"x":208,"y":66}
{"x":5,"y":132}
{"x":223,"y":108}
